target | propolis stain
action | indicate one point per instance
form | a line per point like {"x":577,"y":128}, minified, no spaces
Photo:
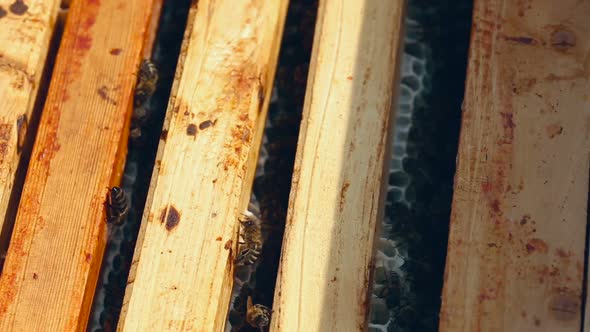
{"x":170,"y":217}
{"x":18,"y":7}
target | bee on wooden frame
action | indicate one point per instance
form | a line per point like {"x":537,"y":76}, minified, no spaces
{"x":251,"y":232}
{"x":117,"y":205}
{"x":257,"y":315}
{"x":147,"y":80}
{"x":251,"y":237}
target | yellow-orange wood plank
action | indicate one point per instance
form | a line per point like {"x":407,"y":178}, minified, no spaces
{"x":58,"y":241}
{"x":337,"y":195}
{"x":181,"y":276}
{"x":25,"y":35}
{"x":516,"y":248}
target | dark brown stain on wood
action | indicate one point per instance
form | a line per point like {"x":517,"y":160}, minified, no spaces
{"x":508,"y":122}
{"x":170,"y":217}
{"x":115,"y":51}
{"x":564,"y":306}
{"x":343,"y":192}
{"x":536,"y":245}
{"x":18,"y":7}
{"x":103,"y":93}
{"x":562,"y":39}
{"x":521,"y":40}
{"x":191,"y":130}
{"x":206,"y":124}
{"x":3,"y":12}
{"x":554,"y":130}
{"x":5,"y":130}
{"x":525,"y":219}
{"x":21,"y":131}
{"x":164,"y":135}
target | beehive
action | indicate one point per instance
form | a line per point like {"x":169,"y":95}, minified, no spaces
{"x":337,"y":122}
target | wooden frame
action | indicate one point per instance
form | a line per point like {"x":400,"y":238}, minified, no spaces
{"x":25,"y":34}
{"x":516,"y":248}
{"x":182,"y":273}
{"x":60,"y":230}
{"x":337,"y":195}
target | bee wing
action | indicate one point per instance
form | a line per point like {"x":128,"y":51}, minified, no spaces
{"x":249,"y":304}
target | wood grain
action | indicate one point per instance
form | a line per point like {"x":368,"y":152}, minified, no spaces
{"x":59,"y":237}
{"x":516,"y":245}
{"x":25,"y":37}
{"x":337,"y":193}
{"x":182,"y":273}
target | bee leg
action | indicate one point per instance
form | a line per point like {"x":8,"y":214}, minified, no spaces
{"x":241,"y":257}
{"x":253,"y":257}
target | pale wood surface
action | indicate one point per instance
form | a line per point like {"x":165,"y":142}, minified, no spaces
{"x":58,"y":242}
{"x":516,"y":248}
{"x":337,"y":196}
{"x":25,"y":36}
{"x":182,"y":272}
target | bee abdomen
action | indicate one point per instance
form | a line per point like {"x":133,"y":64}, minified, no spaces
{"x":117,"y":205}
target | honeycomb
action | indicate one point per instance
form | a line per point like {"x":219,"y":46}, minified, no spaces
{"x":411,"y":247}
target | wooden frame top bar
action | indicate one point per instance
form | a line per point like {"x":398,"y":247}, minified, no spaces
{"x":25,"y":38}
{"x":337,"y":197}
{"x":182,"y":273}
{"x":59,"y":236}
{"x":516,"y":247}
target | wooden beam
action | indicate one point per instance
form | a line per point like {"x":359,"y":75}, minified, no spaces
{"x":338,"y":193}
{"x":515,"y":260}
{"x":25,"y":37}
{"x":59,"y":237}
{"x":182,"y":273}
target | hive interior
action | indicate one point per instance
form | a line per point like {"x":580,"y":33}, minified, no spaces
{"x":409,"y":262}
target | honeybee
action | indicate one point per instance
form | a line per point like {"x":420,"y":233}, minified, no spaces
{"x":251,"y":233}
{"x":147,"y":79}
{"x":117,"y":205}
{"x":257,"y":315}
